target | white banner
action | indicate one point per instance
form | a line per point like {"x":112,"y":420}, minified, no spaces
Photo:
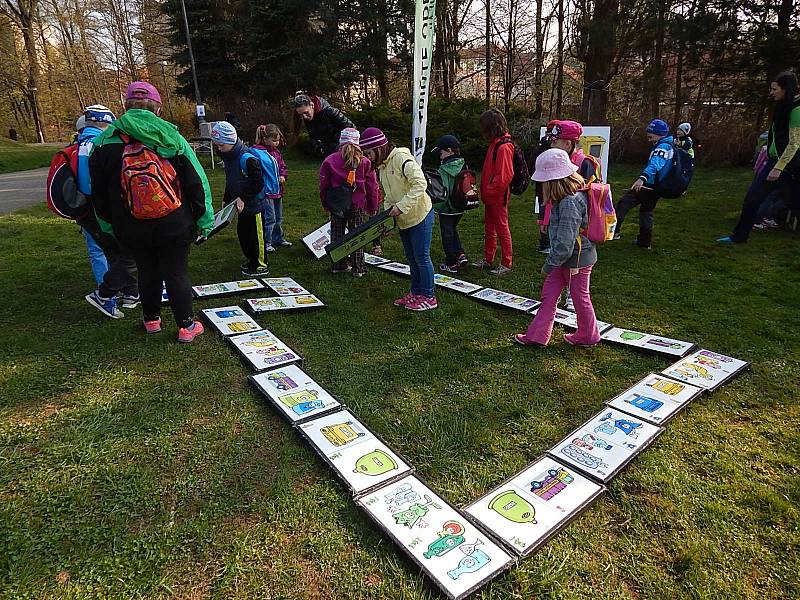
{"x":424,"y":22}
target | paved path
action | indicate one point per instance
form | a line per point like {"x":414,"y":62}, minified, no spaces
{"x":22,"y":189}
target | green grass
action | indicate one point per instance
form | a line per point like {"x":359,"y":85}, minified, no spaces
{"x":15,"y":156}
{"x":132,"y":467}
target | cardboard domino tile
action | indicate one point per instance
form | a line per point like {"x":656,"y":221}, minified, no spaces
{"x":212,"y":290}
{"x":230,"y":320}
{"x":294,"y":393}
{"x":645,"y":341}
{"x":655,"y":399}
{"x":263,"y":350}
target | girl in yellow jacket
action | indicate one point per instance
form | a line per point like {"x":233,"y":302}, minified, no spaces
{"x":404,"y":193}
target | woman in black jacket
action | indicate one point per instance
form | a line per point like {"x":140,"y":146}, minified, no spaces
{"x":324,"y":123}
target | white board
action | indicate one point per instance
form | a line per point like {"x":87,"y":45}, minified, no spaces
{"x":294,"y":393}
{"x":230,"y":320}
{"x":164,"y":295}
{"x":372,"y":259}
{"x":706,"y":369}
{"x":262,"y":350}
{"x":646,"y":341}
{"x":229,"y":287}
{"x":505,"y":299}
{"x":655,"y":399}
{"x":395,"y":267}
{"x":457,"y":556}
{"x":595,"y":141}
{"x":318,"y":239}
{"x":569,"y":319}
{"x":457,"y":285}
{"x":354,"y":452}
{"x":607,"y":442}
{"x":532,"y":506}
{"x":259,"y":305}
{"x":284,"y":286}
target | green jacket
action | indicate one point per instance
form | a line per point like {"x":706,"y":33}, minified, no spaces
{"x":163,"y":138}
{"x":448,"y":170}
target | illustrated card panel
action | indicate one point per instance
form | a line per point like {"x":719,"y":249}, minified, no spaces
{"x":706,"y":369}
{"x":656,"y":398}
{"x":230,"y":320}
{"x":506,"y":299}
{"x":645,"y":341}
{"x":284,"y":286}
{"x":229,"y":287}
{"x":303,"y":302}
{"x":456,"y":285}
{"x":263,"y":350}
{"x":294,"y":393}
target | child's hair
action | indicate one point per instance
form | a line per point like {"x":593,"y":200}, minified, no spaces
{"x":144,"y":103}
{"x":493,"y":124}
{"x":556,"y":190}
{"x":352,"y":155}
{"x":269,"y":132}
{"x":382,"y":153}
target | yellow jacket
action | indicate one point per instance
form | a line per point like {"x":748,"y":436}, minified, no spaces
{"x":404,"y":186}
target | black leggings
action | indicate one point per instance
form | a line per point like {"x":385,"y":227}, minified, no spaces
{"x":169,"y":264}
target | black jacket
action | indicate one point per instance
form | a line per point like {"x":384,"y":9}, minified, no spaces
{"x":327,"y":124}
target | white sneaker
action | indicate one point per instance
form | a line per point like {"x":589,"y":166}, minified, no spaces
{"x":500,"y":271}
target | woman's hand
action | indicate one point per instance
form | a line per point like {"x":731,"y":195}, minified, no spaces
{"x":637,"y":185}
{"x":394,"y":212}
{"x":773,"y":175}
{"x":239,"y":204}
{"x":573,"y":271}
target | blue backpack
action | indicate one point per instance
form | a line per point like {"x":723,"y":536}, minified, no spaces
{"x":269,"y":171}
{"x":677,"y":181}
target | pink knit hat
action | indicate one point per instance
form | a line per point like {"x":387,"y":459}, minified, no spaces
{"x":553,"y":164}
{"x":566,"y":130}
{"x":141,"y":90}
{"x":349,"y":135}
{"x":373,"y":138}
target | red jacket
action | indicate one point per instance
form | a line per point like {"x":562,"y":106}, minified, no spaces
{"x":497,"y":174}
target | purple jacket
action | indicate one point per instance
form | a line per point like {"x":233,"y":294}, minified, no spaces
{"x":282,"y":170}
{"x":333,"y":173}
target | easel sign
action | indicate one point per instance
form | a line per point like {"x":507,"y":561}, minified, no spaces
{"x":318,"y":239}
{"x":361,"y":236}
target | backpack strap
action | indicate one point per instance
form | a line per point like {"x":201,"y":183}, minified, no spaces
{"x":504,"y":140}
{"x":403,"y":166}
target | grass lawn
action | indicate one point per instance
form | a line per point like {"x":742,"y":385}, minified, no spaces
{"x":15,"y":156}
{"x":132,"y":467}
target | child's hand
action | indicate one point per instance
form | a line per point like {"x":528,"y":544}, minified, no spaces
{"x":239,"y":204}
{"x":637,"y":185}
{"x":394,"y":212}
{"x":573,"y":271}
{"x":543,"y":228}
{"x":282,"y":179}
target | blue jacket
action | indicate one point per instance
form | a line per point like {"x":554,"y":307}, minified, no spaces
{"x":240,"y":184}
{"x":85,"y":143}
{"x":660,"y":161}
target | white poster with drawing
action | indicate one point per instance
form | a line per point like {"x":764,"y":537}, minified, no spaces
{"x":374,"y":260}
{"x":655,"y":399}
{"x":607,"y":442}
{"x":706,"y":369}
{"x":646,"y":341}
{"x":457,"y":556}
{"x":229,"y":287}
{"x":395,"y":267}
{"x":260,"y":305}
{"x":569,"y":319}
{"x":284,"y":286}
{"x":318,"y":239}
{"x":532,"y":506}
{"x":595,"y":141}
{"x":262,"y":350}
{"x":360,"y":459}
{"x":294,"y":393}
{"x":230,"y":320}
{"x":457,"y":285}
{"x":505,"y":299}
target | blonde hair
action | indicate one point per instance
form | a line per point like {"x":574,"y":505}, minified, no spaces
{"x":143,"y":103}
{"x":352,"y":155}
{"x":268,"y":132}
{"x":556,"y":190}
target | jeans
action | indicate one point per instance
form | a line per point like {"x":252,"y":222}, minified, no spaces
{"x":758,"y":192}
{"x":417,"y":245}
{"x":96,"y":257}
{"x":451,"y":242}
{"x":646,"y":200}
{"x":169,"y":264}
{"x":541,"y":328}
{"x":276,"y":237}
{"x":268,"y":221}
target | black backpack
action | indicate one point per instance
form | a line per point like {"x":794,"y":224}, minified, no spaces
{"x":436,"y":189}
{"x":677,"y":181}
{"x":521,"y":179}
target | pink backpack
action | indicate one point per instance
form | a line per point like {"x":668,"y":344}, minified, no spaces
{"x":600,"y":210}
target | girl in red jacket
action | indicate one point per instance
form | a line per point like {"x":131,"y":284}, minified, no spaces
{"x":498,"y":171}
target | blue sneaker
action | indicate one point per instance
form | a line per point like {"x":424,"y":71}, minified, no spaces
{"x":726,"y":240}
{"x":107,"y":306}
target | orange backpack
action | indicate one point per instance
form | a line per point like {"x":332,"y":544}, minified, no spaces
{"x":150,"y":185}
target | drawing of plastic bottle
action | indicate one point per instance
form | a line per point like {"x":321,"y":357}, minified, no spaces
{"x":474,"y":560}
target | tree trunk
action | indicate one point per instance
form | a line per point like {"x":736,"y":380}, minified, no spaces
{"x":488,"y":47}
{"x":26,"y":12}
{"x":538,"y":73}
{"x":656,"y":67}
{"x":560,"y":61}
{"x":597,"y":73}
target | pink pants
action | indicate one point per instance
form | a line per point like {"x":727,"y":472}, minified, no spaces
{"x":495,"y":225}
{"x":541,"y":328}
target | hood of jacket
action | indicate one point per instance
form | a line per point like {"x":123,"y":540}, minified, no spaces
{"x":452,"y":165}
{"x":154,"y":132}
{"x":88,"y":133}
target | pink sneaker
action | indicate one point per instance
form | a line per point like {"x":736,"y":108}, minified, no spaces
{"x":187,"y":334}
{"x":404,"y":300}
{"x":570,"y":339}
{"x":153,"y":326}
{"x":420,"y":303}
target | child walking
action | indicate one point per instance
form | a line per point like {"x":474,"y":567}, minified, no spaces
{"x":350,"y":172}
{"x":404,"y":186}
{"x":269,"y":139}
{"x":572,"y":255}
{"x":448,"y":149}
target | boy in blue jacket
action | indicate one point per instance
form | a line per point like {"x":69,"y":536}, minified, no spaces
{"x":644,"y":191}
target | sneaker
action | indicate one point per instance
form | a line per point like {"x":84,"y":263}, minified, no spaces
{"x":500,"y":271}
{"x":152,"y":326}
{"x":771,"y":224}
{"x":544,"y":251}
{"x":617,"y":236}
{"x":760,"y":226}
{"x":445,"y":268}
{"x":462,"y":259}
{"x":568,"y":304}
{"x":420,"y":303}
{"x":130,"y":301}
{"x":359,"y":273}
{"x":726,"y":240}
{"x":255,"y":271}
{"x":519,"y":338}
{"x":284,"y":243}
{"x":187,"y":334}
{"x":377,"y":250}
{"x":404,"y":300}
{"x":482,"y":263}
{"x":346,"y":269}
{"x":107,"y":306}
{"x":270,"y":248}
{"x":570,"y":339}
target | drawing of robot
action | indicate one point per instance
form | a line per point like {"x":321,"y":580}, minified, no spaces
{"x":241,"y":326}
{"x":664,"y":344}
{"x":450,"y":537}
{"x":281,"y":380}
{"x":341,"y":433}
{"x":644,"y":403}
{"x":689,"y":371}
{"x":631,"y":336}
{"x":512,"y":506}
{"x":295,"y":399}
{"x":665,"y":386}
{"x":305,"y":300}
{"x":227,"y":314}
{"x":250,"y":283}
{"x":400,"y":495}
{"x":707,"y":361}
{"x":474,"y":560}
{"x":581,"y":457}
{"x":590,"y":442}
{"x":624,"y":425}
{"x":551,"y":483}
{"x":415,"y":512}
{"x":715,"y":356}
{"x":320,"y":243}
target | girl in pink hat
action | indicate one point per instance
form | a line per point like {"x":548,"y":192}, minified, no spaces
{"x":572,"y":255}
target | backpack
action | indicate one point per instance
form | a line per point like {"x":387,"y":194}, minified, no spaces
{"x":269,"y":171}
{"x":150,"y":184}
{"x":677,"y":181}
{"x":598,"y":168}
{"x":436,"y":189}
{"x":63,"y":197}
{"x":465,"y":195}
{"x":339,"y":199}
{"x":600,"y":213}
{"x":519,"y":183}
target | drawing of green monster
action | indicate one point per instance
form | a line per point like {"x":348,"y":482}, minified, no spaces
{"x":631,"y":336}
{"x":415,"y":512}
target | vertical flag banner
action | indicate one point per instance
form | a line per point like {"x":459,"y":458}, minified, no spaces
{"x":424,"y":22}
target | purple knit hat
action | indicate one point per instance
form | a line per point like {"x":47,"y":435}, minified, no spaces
{"x":141,"y":90}
{"x":373,"y":138}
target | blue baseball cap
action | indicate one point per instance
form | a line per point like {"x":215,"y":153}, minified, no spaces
{"x":98,"y":113}
{"x":445,"y":142}
{"x":658,"y":127}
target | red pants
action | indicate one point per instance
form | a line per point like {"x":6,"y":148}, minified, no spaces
{"x":495,"y":223}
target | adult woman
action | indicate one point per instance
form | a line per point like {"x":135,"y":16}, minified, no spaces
{"x":781,"y":170}
{"x":324,"y":123}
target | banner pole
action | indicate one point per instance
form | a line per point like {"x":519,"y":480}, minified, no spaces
{"x":424,"y":34}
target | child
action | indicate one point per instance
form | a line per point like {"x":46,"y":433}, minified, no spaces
{"x":157,"y":219}
{"x":498,"y":171}
{"x":349,"y":168}
{"x":572,"y":255}
{"x":447,"y":147}
{"x":644,"y":192}
{"x":404,"y":186}
{"x":244,"y":187}
{"x":682,"y":139}
{"x":269,"y":138}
